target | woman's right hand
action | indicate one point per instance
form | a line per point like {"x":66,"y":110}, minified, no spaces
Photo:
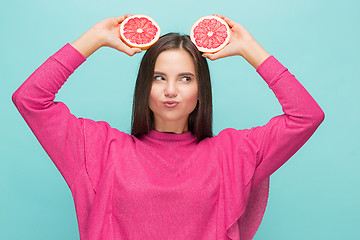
{"x":104,"y":33}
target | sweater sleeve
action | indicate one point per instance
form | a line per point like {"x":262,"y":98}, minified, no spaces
{"x":250,"y":156}
{"x":58,"y":131}
{"x":285,"y":134}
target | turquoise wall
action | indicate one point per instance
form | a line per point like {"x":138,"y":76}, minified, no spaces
{"x":315,"y":195}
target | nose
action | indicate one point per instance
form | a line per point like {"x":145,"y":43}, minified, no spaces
{"x":170,"y":89}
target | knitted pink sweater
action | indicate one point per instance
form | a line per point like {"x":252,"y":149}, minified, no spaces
{"x":164,"y":185}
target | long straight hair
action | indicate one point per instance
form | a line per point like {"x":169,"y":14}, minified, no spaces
{"x":200,"y":119}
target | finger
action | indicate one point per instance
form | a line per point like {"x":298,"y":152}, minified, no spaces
{"x":214,"y":56}
{"x":230,"y":22}
{"x":132,"y":51}
{"x":136,"y":50}
{"x":122,"y":18}
{"x":122,"y":47}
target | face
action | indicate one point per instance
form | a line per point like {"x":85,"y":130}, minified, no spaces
{"x":174,"y":90}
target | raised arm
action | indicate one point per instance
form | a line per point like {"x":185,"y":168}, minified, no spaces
{"x":274,"y":143}
{"x":59,"y":132}
{"x":284,"y":134}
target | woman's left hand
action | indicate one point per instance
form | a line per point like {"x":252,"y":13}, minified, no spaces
{"x":240,"y":41}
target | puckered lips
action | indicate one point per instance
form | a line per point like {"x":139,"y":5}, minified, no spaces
{"x":171,"y":104}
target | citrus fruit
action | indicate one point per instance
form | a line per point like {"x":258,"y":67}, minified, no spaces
{"x":210,"y":34}
{"x":139,"y":31}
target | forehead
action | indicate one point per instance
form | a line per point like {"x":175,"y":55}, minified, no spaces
{"x":175,"y":60}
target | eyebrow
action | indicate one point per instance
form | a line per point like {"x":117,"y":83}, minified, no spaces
{"x":180,"y":74}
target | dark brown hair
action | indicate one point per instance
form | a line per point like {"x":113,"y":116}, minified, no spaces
{"x":200,"y":120}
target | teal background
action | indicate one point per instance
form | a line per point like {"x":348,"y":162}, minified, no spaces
{"x":315,"y":195}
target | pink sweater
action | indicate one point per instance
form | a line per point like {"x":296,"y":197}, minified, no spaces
{"x":165,"y":186}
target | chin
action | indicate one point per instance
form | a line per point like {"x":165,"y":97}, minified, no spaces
{"x":171,"y":116}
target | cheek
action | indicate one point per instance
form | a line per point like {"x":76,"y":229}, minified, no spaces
{"x":192,"y":97}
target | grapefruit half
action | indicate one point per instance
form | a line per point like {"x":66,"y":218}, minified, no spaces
{"x":139,"y":31}
{"x":210,"y":34}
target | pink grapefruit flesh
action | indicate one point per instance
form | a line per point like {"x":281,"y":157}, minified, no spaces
{"x":139,"y":31}
{"x":210,"y":34}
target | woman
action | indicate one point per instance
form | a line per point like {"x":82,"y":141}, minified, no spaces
{"x":171,"y":178}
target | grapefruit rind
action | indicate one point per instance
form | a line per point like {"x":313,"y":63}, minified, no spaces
{"x":135,"y":45}
{"x":211,"y":50}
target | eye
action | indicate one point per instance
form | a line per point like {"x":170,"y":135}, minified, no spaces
{"x":158,"y":78}
{"x":186,"y":79}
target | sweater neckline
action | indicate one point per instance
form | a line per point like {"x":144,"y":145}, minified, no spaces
{"x":171,"y":136}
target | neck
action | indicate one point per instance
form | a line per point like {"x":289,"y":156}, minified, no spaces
{"x":171,"y":127}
